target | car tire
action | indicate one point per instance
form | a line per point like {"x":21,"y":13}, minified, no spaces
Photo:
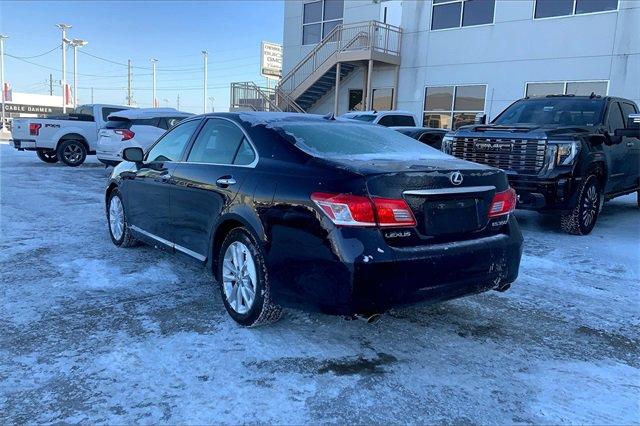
{"x":583,"y":216}
{"x":119,"y":229}
{"x":72,"y":152}
{"x":241,"y":273}
{"x":47,"y":155}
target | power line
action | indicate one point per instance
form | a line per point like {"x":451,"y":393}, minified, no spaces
{"x":34,"y":56}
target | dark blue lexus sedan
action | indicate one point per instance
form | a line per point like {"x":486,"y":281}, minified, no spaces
{"x":324,"y":214}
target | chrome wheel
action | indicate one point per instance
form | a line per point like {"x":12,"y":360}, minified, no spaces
{"x":239,"y":278}
{"x":116,"y":217}
{"x":72,"y":153}
{"x":590,"y":206}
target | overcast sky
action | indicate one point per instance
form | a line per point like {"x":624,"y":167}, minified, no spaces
{"x":174,"y":32}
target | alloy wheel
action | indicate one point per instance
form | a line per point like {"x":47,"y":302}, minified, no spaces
{"x":116,"y":217}
{"x":72,"y":153}
{"x":239,"y":278}
{"x":590,"y":206}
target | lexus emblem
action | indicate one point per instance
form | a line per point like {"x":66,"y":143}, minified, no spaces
{"x":456,"y":178}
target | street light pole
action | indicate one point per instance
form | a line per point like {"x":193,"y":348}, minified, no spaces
{"x":2,"y":37}
{"x":212,"y":99}
{"x":64,"y":28}
{"x":76,"y":42}
{"x":205,"y":56}
{"x":153,"y":65}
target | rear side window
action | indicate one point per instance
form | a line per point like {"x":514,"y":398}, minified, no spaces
{"x":387,"y":121}
{"x":404,"y":120}
{"x":173,"y":143}
{"x":221,"y":142}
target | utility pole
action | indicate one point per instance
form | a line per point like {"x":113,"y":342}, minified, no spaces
{"x":129,"y":82}
{"x":92,"y":95}
{"x":75,"y":43}
{"x":178,"y":102}
{"x":64,"y":28}
{"x":2,"y":38}
{"x":205,"y":56}
{"x":212,"y":99}
{"x":153,"y":99}
{"x":50,"y":84}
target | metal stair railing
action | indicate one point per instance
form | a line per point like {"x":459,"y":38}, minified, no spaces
{"x":370,"y":35}
{"x":242,"y":93}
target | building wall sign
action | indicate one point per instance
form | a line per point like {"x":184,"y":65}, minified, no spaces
{"x":271,"y":60}
{"x":31,"y":109}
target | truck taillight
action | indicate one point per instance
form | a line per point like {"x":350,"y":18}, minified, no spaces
{"x":34,"y":129}
{"x":503,"y":203}
{"x":125,"y":133}
{"x":355,"y":210}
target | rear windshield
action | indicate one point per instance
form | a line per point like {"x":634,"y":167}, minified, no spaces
{"x":362,"y":117}
{"x":106,"y":111}
{"x":118,"y":124}
{"x":553,"y":112}
{"x":351,"y":140}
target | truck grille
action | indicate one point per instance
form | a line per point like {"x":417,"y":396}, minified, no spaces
{"x":524,"y":156}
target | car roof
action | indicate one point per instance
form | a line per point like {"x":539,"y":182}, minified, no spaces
{"x":374,"y":112}
{"x":416,"y":128}
{"x":141,"y":113}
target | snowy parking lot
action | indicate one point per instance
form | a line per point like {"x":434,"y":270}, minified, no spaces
{"x":96,"y":334}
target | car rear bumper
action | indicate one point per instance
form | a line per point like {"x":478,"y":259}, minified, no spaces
{"x":109,"y":155}
{"x":21,"y":144}
{"x":368,"y":276}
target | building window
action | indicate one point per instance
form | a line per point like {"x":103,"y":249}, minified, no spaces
{"x":449,"y":107}
{"x":551,"y":8}
{"x":382,"y":99}
{"x":461,"y":13}
{"x":578,"y":88}
{"x":319,"y":18}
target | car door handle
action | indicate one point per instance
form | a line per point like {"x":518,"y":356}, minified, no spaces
{"x":225,"y":181}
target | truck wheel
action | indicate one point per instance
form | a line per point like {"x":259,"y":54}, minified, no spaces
{"x":72,"y":152}
{"x":117,"y":219}
{"x":47,"y":155}
{"x":244,"y":282}
{"x":583,"y":217}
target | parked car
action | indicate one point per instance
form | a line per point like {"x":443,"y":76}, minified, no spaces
{"x":427,"y":135}
{"x":383,"y":118}
{"x":563,"y":154}
{"x":67,"y":138}
{"x":305,"y":210}
{"x":134,"y":127}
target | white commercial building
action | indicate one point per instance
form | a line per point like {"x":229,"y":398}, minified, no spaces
{"x":446,"y":60}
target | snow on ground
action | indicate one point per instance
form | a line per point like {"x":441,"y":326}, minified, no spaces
{"x":95,"y":334}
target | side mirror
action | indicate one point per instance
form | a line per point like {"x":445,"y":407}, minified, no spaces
{"x":133,"y":154}
{"x":480,"y":118}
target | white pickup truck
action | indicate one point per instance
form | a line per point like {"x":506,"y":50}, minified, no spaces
{"x":67,"y":138}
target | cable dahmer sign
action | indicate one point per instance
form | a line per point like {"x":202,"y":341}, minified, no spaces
{"x":271,"y":60}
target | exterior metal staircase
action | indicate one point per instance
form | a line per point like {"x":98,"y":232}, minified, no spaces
{"x":349,"y":45}
{"x":345,"y":48}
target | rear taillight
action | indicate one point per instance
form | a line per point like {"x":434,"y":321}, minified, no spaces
{"x":34,"y":129}
{"x":503,"y":203}
{"x":355,"y":210}
{"x":125,"y":133}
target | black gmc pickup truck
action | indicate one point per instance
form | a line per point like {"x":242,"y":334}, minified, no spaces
{"x":563,"y":154}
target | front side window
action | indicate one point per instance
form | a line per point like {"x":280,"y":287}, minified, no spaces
{"x":551,"y":8}
{"x":221,"y":142}
{"x":319,"y":18}
{"x":449,"y":107}
{"x":171,"y":146}
{"x":578,"y":88}
{"x":614,"y":118}
{"x":461,"y":13}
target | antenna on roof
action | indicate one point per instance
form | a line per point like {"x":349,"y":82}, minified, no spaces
{"x":329,"y":116}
